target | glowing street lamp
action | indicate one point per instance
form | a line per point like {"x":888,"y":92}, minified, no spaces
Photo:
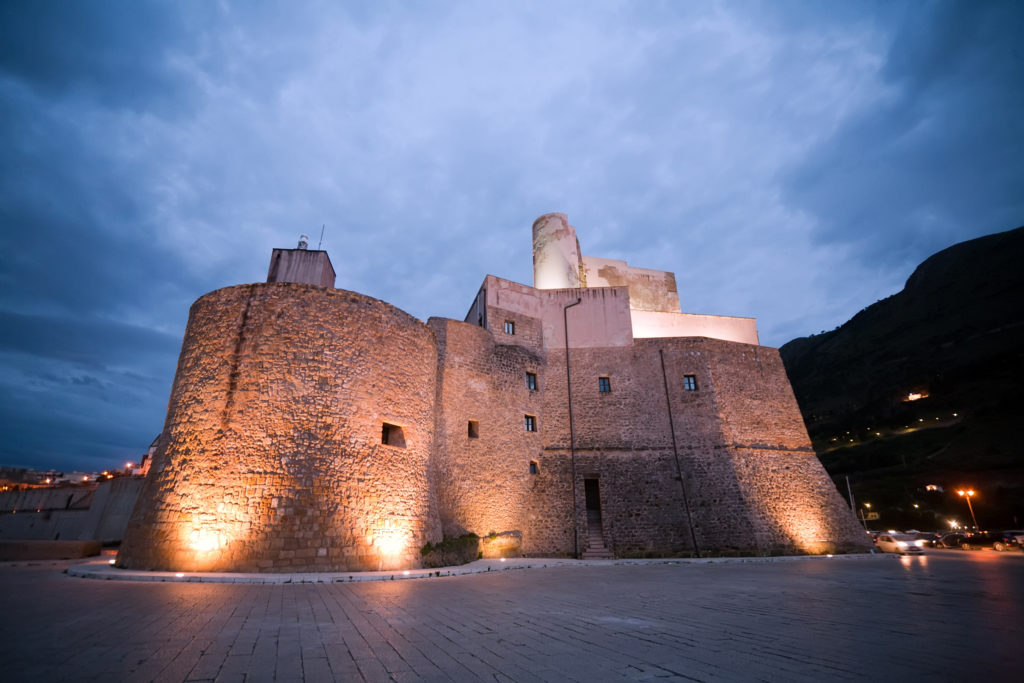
{"x":966,"y":494}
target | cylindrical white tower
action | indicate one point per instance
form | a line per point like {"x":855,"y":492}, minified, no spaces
{"x":556,"y":253}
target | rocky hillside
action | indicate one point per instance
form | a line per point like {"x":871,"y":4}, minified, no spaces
{"x":925,"y":388}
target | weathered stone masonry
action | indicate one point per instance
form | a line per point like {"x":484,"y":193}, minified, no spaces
{"x":315,"y":429}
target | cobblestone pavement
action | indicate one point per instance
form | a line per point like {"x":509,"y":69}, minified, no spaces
{"x":945,"y":616}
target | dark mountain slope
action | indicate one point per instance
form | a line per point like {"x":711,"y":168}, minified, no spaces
{"x":955,"y":336}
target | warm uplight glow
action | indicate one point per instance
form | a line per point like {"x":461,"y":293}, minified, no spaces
{"x":205,"y":541}
{"x":387,"y":543}
{"x":392,"y":541}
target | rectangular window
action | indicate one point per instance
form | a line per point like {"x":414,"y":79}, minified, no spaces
{"x":531,"y":423}
{"x":510,"y":327}
{"x":531,"y":381}
{"x":392,"y":435}
{"x":474,"y":429}
{"x":690,"y":382}
{"x":604,"y":384}
{"x":534,"y":468}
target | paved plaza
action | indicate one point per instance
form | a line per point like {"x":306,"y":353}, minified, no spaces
{"x":949,"y":615}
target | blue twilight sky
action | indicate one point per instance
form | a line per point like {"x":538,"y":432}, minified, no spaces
{"x":790,"y":161}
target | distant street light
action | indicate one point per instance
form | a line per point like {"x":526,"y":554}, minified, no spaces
{"x":966,"y":494}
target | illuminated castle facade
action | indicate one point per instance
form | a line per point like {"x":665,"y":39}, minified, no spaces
{"x":316,"y":429}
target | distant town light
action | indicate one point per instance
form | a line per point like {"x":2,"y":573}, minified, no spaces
{"x":914,"y":396}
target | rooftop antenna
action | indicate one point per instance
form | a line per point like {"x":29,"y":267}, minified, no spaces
{"x":322,"y":228}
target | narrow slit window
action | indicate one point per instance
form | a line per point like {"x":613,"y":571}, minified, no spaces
{"x":604,"y":384}
{"x":534,"y":467}
{"x":392,"y":435}
{"x":690,"y":382}
{"x":474,"y":429}
{"x":530,"y":421}
{"x":510,"y":327}
{"x":531,"y":381}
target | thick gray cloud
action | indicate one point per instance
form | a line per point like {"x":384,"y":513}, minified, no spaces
{"x":789,"y":161}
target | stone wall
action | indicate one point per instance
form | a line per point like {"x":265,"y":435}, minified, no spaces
{"x":273,"y":457}
{"x":753,"y":483}
{"x":483,"y":482}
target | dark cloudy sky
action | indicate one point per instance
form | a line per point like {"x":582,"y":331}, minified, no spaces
{"x":790,"y":161}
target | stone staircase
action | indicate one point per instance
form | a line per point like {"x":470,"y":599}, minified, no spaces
{"x":596,"y":549}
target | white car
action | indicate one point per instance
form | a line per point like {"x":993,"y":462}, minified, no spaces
{"x":899,"y":543}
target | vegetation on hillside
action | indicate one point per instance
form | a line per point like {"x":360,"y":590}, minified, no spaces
{"x":922,"y":393}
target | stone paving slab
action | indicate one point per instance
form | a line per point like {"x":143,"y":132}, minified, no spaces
{"x":945,"y":616}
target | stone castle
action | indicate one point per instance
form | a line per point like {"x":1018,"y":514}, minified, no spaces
{"x":315,"y":429}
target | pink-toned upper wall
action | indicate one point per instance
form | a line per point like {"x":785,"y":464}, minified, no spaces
{"x":656,"y":324}
{"x":601,"y":318}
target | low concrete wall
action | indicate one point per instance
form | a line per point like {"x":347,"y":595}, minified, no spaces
{"x":98,"y":513}
{"x":48,"y":550}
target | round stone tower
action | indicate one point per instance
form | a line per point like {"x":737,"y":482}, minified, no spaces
{"x":556,"y":253}
{"x":298,"y":435}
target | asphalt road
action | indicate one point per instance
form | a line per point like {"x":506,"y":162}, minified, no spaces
{"x":949,"y":615}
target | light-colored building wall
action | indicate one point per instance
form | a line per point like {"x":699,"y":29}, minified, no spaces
{"x":656,"y":324}
{"x":649,"y":290}
{"x":557,"y":262}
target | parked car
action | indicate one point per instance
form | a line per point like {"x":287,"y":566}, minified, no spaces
{"x":997,"y":540}
{"x":1018,"y":534}
{"x":951,"y":541}
{"x":899,"y":543}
